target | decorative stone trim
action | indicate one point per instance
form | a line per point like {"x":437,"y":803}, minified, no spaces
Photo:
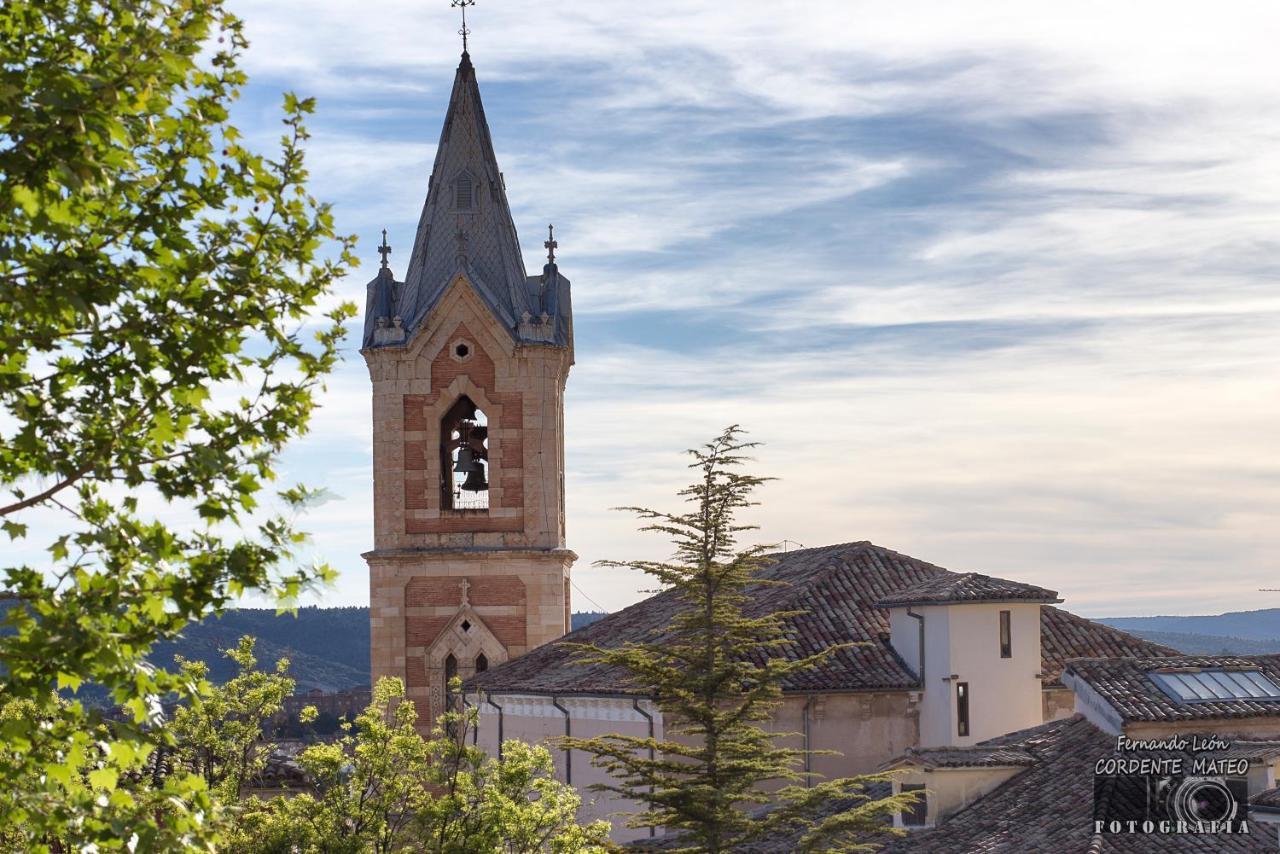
{"x":461,"y":350}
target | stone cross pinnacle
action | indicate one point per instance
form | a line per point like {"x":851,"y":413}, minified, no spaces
{"x":384,"y":250}
{"x":551,"y":244}
{"x":464,"y":32}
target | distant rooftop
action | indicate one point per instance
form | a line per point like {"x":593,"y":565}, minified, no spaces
{"x":968,"y":587}
{"x":975,"y":756}
{"x":1187,"y":687}
{"x":837,"y":590}
{"x":1048,"y":807}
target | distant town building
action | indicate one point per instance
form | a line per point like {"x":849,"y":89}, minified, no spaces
{"x":334,"y":704}
{"x":942,"y":660}
{"x":1038,"y":789}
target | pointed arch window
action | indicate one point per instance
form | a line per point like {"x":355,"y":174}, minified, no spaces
{"x":450,"y":671}
{"x":482,"y":663}
{"x":464,"y":458}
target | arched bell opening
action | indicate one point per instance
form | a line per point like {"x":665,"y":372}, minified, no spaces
{"x":464,"y":457}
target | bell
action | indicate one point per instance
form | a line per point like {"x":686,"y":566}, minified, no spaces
{"x":475,"y":481}
{"x":466,"y":463}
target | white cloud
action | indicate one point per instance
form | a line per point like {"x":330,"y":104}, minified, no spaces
{"x":1037,"y":340}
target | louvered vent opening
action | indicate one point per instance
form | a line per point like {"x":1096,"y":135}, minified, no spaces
{"x":464,"y":193}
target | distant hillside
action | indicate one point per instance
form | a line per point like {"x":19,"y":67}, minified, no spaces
{"x":327,"y":648}
{"x":1210,"y":644}
{"x":1261,"y":625}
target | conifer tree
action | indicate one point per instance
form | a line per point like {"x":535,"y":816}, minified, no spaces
{"x":717,"y":672}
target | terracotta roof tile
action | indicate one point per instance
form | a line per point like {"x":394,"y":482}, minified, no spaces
{"x":838,"y":588}
{"x":1267,"y":800}
{"x":1126,"y":684}
{"x":1048,"y":808}
{"x":968,"y":587}
{"x":976,"y":756}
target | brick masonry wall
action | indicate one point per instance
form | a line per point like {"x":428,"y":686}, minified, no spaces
{"x":512,"y":557}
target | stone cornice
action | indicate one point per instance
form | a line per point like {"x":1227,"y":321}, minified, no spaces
{"x":468,"y":553}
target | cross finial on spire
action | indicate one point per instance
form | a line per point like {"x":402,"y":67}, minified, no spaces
{"x":384,"y":250}
{"x":464,"y":32}
{"x":551,"y":244}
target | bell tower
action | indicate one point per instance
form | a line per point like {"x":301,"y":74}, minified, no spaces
{"x":469,"y":356}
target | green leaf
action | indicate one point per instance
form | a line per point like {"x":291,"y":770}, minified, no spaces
{"x":103,"y":778}
{"x":26,"y":199}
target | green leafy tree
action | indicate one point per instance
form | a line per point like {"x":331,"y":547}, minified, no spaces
{"x":384,"y":788}
{"x":717,"y":674}
{"x":157,"y":283}
{"x":219,"y":735}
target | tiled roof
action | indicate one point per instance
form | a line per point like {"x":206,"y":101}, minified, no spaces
{"x":1064,"y":636}
{"x":969,"y":587}
{"x":1126,"y":684}
{"x":1267,"y":800}
{"x":838,"y":588}
{"x":977,"y":756}
{"x":1254,"y":751}
{"x":1048,"y":808}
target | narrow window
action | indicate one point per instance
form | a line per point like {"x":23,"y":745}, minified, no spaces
{"x":1006,"y":635}
{"x":482,"y":663}
{"x":464,"y":457}
{"x":917,"y":814}
{"x":450,"y":700}
{"x":450,"y":671}
{"x":463,"y":192}
{"x":962,"y":708}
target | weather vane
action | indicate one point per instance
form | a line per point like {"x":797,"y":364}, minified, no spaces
{"x":464,"y":32}
{"x":384,"y":250}
{"x":551,"y":244}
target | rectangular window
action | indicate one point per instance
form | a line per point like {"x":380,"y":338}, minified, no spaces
{"x":917,"y":814}
{"x":962,"y":708}
{"x":1006,"y":635}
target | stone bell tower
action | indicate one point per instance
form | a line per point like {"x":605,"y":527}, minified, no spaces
{"x":469,"y":356}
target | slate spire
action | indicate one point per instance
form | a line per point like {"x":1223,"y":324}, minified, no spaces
{"x":466,"y":223}
{"x":466,"y":228}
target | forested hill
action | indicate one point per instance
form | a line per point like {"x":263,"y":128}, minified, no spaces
{"x":1236,"y":632}
{"x":327,"y":648}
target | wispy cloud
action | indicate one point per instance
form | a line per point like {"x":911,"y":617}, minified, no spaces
{"x":996,"y":281}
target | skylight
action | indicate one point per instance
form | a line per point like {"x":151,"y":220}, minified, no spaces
{"x":1207,"y":686}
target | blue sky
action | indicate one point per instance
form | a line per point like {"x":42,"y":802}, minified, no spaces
{"x":996,"y":283}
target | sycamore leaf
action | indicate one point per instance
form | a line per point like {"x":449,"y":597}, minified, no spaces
{"x":103,"y":778}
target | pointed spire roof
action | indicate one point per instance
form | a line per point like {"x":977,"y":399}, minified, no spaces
{"x":466,"y":229}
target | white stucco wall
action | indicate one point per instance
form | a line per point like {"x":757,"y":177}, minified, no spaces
{"x":962,"y":644}
{"x":534,"y":719}
{"x":949,"y":790}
